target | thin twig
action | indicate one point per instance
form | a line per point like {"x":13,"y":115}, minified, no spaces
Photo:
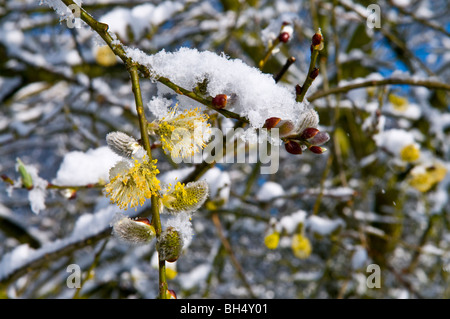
{"x":227,"y":246}
{"x":346,"y":88}
{"x":284,"y":69}
{"x":309,"y":80}
{"x":156,"y":220}
{"x":91,"y":268}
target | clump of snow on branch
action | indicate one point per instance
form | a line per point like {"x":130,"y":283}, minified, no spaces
{"x":254,"y":95}
{"x":86,"y":226}
{"x":79,"y":168}
{"x":271,"y":32}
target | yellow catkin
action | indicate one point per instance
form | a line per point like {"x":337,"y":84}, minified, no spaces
{"x":105,"y":56}
{"x":271,"y":240}
{"x":410,"y":153}
{"x":424,"y":178}
{"x":187,"y":198}
{"x":133,"y":187}
{"x":398,"y":103}
{"x":183,"y":134}
{"x":301,"y":246}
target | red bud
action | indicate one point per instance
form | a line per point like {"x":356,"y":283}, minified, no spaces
{"x":172,"y":294}
{"x":317,"y":149}
{"x":219,"y":101}
{"x":284,"y":37}
{"x":309,"y":133}
{"x":314,"y":73}
{"x":316,"y":39}
{"x":271,"y":122}
{"x":293,"y":147}
{"x":298,"y":89}
{"x":286,"y":128}
{"x":144,"y":220}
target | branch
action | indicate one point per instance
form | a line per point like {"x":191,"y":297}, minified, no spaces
{"x":118,"y":49}
{"x":156,"y":220}
{"x":343,"y":89}
{"x":227,"y":246}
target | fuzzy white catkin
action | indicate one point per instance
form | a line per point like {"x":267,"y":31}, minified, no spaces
{"x":124,"y":145}
{"x":131,"y":231}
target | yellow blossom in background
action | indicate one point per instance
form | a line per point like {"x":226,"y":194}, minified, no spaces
{"x":182,"y":134}
{"x":421,"y":181}
{"x":105,"y":56}
{"x":301,"y":246}
{"x":423,"y":178}
{"x":437,"y":171}
{"x":131,"y":184}
{"x":186,"y":198}
{"x":410,"y":153}
{"x":171,"y":273}
{"x":398,"y":103}
{"x":271,"y":241}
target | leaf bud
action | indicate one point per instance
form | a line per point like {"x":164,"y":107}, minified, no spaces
{"x":271,"y":122}
{"x":219,"y":101}
{"x":317,"y":149}
{"x":298,"y":89}
{"x":320,"y":138}
{"x":286,"y":127}
{"x":27,"y":180}
{"x":314,"y":73}
{"x":308,"y":133}
{"x":293,"y":147}
{"x":317,"y":41}
{"x":284,"y":37}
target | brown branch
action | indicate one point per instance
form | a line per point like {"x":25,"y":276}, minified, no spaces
{"x":343,"y":89}
{"x":227,"y":246}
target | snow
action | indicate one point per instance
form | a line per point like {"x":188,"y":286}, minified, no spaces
{"x":174,"y":176}
{"x":195,"y":277}
{"x":271,"y":32}
{"x":83,"y":168}
{"x":140,"y":18}
{"x":270,"y":190}
{"x":257,"y":96}
{"x":59,"y":7}
{"x":182,"y":223}
{"x":359,"y":257}
{"x":394,"y":140}
{"x":412,"y":111}
{"x":219,"y":183}
{"x":18,"y":257}
{"x":6,"y":86}
{"x":36,"y":196}
{"x":87,"y":226}
{"x":290,"y":222}
{"x":323,"y":226}
{"x":401,"y":3}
